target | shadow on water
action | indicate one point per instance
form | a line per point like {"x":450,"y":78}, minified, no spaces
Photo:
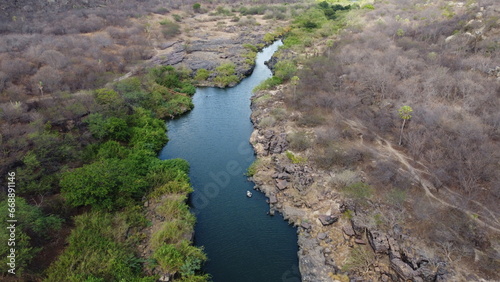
{"x":242,"y":242}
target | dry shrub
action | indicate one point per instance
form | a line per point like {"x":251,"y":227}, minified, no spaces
{"x":299,"y":141}
{"x":345,"y":178}
{"x":310,"y":120}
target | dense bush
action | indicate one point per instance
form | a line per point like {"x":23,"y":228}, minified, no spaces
{"x":285,"y":69}
{"x":226,"y":75}
{"x":202,"y":74}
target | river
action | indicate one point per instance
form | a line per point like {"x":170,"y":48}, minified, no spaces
{"x":242,"y":242}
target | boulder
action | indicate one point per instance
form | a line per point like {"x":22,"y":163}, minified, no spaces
{"x":278,"y":144}
{"x":305,"y":180}
{"x":394,"y":248}
{"x":426,"y":272}
{"x":305,"y":225}
{"x":378,"y":242}
{"x":358,"y":225}
{"x":348,"y":230}
{"x":268,"y":134}
{"x":290,"y":168}
{"x":321,"y":236}
{"x":282,"y":184}
{"x":284,"y":175}
{"x":328,"y":219}
{"x":273,"y":199}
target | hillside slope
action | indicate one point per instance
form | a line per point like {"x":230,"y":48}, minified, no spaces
{"x":370,"y":206}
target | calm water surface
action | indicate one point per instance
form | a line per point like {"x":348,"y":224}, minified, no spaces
{"x":242,"y":242}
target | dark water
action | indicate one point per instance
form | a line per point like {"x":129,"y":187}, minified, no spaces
{"x":241,"y":241}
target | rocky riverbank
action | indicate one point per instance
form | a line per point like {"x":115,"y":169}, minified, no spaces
{"x":334,"y":233}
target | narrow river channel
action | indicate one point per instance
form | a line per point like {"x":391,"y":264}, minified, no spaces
{"x":242,"y":242}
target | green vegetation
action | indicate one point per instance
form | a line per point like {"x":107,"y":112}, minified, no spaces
{"x":197,"y":7}
{"x":268,"y":84}
{"x":169,"y":29}
{"x":201,"y":75}
{"x":285,"y":69}
{"x":368,"y":7}
{"x":405,"y":114}
{"x":348,"y":214}
{"x":359,"y":191}
{"x":396,"y":197}
{"x":221,"y":11}
{"x":251,"y":54}
{"x":121,"y":169}
{"x":262,"y":99}
{"x":295,"y":159}
{"x":252,"y":169}
{"x":99,"y":239}
{"x":330,"y":10}
{"x":226,"y":75}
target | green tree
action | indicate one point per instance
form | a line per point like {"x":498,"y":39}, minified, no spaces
{"x":108,"y":128}
{"x":106,"y":184}
{"x":405,"y":114}
{"x":197,"y":7}
{"x":106,"y":96}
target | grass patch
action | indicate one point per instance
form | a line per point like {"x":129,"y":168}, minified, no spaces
{"x":295,"y":159}
{"x":253,"y":168}
{"x":268,"y":84}
{"x":98,"y":239}
{"x":359,"y":191}
{"x":262,"y":99}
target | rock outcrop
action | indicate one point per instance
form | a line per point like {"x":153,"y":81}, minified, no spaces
{"x":209,"y":52}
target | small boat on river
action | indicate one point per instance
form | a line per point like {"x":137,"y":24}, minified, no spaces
{"x":249,"y":194}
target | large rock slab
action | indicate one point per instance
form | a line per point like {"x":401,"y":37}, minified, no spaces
{"x":348,"y":230}
{"x":328,"y":219}
{"x":378,"y":242}
{"x":282,"y":184}
{"x":403,"y":270}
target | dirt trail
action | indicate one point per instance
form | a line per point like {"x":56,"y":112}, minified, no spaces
{"x":428,"y":187}
{"x":489,"y":218}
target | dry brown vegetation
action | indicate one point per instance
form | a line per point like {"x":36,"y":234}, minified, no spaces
{"x":441,"y":59}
